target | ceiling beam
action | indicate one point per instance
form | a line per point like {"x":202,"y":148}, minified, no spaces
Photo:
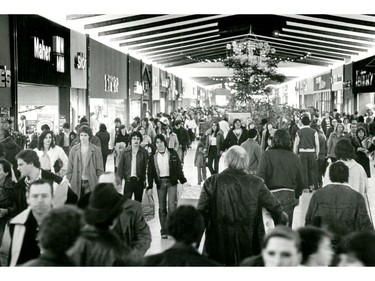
{"x":119,"y":21}
{"x":81,"y":16}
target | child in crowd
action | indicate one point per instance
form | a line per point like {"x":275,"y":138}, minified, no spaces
{"x":200,"y":160}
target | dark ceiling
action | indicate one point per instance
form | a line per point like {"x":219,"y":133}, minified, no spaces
{"x":178,"y":40}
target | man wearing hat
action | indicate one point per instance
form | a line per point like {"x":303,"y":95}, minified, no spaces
{"x":98,"y":244}
{"x":253,"y":149}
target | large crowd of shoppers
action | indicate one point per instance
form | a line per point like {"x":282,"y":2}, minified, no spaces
{"x":60,"y":207}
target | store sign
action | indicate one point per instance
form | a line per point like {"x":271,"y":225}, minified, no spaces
{"x":5,"y":77}
{"x":58,"y":50}
{"x":337,"y":78}
{"x":137,"y":88}
{"x":364,"y":78}
{"x":41,"y":51}
{"x":80,"y":61}
{"x":111,"y":83}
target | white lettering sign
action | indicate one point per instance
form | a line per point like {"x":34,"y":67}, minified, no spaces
{"x":111,"y":83}
{"x":41,"y":51}
{"x":80,"y":61}
{"x":363,"y":78}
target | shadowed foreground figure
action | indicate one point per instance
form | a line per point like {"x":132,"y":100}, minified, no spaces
{"x":186,"y":226}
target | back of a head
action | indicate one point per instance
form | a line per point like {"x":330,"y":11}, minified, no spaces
{"x":338,"y":172}
{"x":305,"y":120}
{"x":29,"y":156}
{"x":361,"y":245}
{"x":311,"y":237}
{"x":60,"y":228}
{"x":282,"y":139}
{"x":344,"y":150}
{"x":83,"y":120}
{"x":66,"y":126}
{"x":186,"y":225}
{"x":237,"y":158}
{"x":252,"y":133}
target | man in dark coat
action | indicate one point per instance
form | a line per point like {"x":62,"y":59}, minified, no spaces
{"x":29,"y":167}
{"x":186,"y":226}
{"x":11,"y":149}
{"x":231,"y":203}
{"x":183,"y":139}
{"x":66,"y":138}
{"x":337,"y":207}
{"x":326,"y":123}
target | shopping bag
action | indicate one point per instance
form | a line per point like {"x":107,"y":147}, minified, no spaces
{"x":267,"y":221}
{"x":148,"y":206}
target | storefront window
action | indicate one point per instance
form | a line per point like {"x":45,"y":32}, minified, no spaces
{"x":77,"y":106}
{"x":38,"y":105}
{"x":106,"y":111}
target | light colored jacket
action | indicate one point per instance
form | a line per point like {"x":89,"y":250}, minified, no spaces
{"x":55,"y":153}
{"x":173,"y":141}
{"x":94,"y":167}
{"x":11,"y":246}
{"x":254,"y":152}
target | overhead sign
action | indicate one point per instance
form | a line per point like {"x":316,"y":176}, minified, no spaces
{"x":111,"y":83}
{"x":5,"y":77}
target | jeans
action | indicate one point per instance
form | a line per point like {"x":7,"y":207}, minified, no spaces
{"x":288,"y":202}
{"x":166,"y":189}
{"x":202,"y":170}
{"x":136,"y":186}
{"x":308,"y":167}
{"x":181,"y":154}
{"x":213,"y":158}
{"x":104,"y":161}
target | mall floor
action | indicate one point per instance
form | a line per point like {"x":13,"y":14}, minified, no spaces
{"x":191,"y":197}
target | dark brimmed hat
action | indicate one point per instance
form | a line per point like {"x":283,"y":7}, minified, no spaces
{"x":104,"y":203}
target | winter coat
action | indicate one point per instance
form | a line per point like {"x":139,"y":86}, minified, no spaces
{"x":200,"y":156}
{"x":231,"y":203}
{"x":104,"y":141}
{"x":219,"y":142}
{"x":124,"y":167}
{"x":358,"y":180}
{"x":175,"y":170}
{"x":50,"y":259}
{"x":331,"y":144}
{"x":281,"y":168}
{"x":183,"y":137}
{"x":11,"y":150}
{"x":339,"y":209}
{"x":94,"y":167}
{"x":72,"y":136}
{"x":98,"y":247}
{"x":132,"y":228}
{"x":172,"y":141}
{"x":231,"y":139}
{"x":254,"y":151}
{"x":324,"y":125}
{"x":179,"y":255}
{"x":54,"y":154}
{"x":94,"y":140}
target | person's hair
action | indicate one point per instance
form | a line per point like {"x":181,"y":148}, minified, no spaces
{"x":140,"y":128}
{"x":282,"y":139}
{"x":337,"y":127}
{"x":236,"y":120}
{"x":45,"y":127}
{"x":5,"y":133}
{"x":161,"y":138}
{"x":136,"y":134}
{"x":361,"y":119}
{"x":305,"y":120}
{"x":7,"y":168}
{"x":40,"y":182}
{"x":361,"y":244}
{"x":344,"y":150}
{"x":117,"y":120}
{"x":237,"y":158}
{"x":66,"y":126}
{"x":311,"y":237}
{"x":168,"y":126}
{"x":177,"y":122}
{"x":145,"y":119}
{"x":83,"y":120}
{"x":85,"y":129}
{"x":217,"y":128}
{"x":42,"y":136}
{"x":338,"y":172}
{"x":29,"y":156}
{"x":252,"y":133}
{"x":186,"y":225}
{"x":137,"y":120}
{"x":285,"y":232}
{"x":2,"y":150}
{"x":360,"y":129}
{"x":102,"y":127}
{"x":60,"y":229}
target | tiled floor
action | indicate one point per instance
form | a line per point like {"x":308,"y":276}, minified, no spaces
{"x":158,"y":245}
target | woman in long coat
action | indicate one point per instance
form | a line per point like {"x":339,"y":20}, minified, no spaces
{"x":85,"y":164}
{"x":231,"y":203}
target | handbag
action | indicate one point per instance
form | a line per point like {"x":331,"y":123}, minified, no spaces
{"x":58,"y":165}
{"x":148,"y":206}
